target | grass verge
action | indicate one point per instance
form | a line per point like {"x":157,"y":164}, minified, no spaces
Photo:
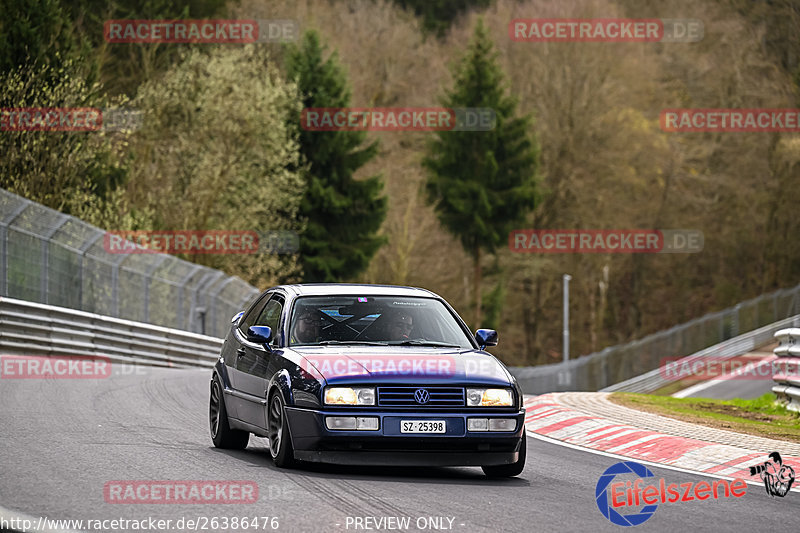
{"x":761,"y":416}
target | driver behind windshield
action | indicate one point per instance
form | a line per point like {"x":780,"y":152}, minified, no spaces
{"x":400,"y":326}
{"x":306,"y":327}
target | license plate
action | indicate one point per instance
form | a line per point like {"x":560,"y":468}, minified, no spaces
{"x":422,"y":426}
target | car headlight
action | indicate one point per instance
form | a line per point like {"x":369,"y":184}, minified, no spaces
{"x":489,"y":398}
{"x":350,"y":396}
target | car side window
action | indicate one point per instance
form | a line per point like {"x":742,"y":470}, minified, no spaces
{"x":271,"y":316}
{"x":250,"y":318}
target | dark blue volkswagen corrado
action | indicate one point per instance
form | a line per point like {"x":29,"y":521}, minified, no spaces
{"x":366,"y":374}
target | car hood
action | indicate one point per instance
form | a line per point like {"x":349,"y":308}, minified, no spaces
{"x":418,"y":365}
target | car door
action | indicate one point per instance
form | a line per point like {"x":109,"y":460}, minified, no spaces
{"x":232,"y":353}
{"x":255,"y":365}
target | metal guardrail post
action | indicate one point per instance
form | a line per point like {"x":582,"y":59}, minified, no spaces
{"x":115,"y":290}
{"x":209,"y":279}
{"x":83,"y":249}
{"x":3,"y":259}
{"x":45,"y":277}
{"x":116,"y":266}
{"x":786,"y":368}
{"x":184,"y":316}
{"x":214,"y":303}
{"x":775,"y":306}
{"x":758,"y":315}
{"x":565,"y":339}
{"x":4,"y":225}
{"x":148,"y":277}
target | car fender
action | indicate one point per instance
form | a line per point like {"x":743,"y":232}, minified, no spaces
{"x":520,"y":394}
{"x":221,"y":371}
{"x":281,"y":381}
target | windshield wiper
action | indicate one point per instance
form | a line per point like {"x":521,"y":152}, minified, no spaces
{"x":368,"y":343}
{"x":428,"y":343}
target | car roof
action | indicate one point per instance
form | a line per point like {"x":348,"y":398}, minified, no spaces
{"x":355,"y":289}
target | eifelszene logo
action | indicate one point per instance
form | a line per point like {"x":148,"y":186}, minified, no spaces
{"x":777,"y":477}
{"x":627,"y":494}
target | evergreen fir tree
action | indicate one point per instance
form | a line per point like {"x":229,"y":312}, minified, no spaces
{"x":482,"y":183}
{"x":343,"y":214}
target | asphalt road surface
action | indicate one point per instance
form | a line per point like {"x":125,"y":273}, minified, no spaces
{"x":734,"y":388}
{"x":62,"y":440}
{"x":755,"y":383}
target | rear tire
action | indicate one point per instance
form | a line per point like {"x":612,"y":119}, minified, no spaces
{"x":221,"y":433}
{"x":280,"y":441}
{"x":510,"y":470}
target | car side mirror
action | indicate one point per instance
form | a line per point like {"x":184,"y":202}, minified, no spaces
{"x":236,"y":317}
{"x":486,"y":337}
{"x":259,"y":334}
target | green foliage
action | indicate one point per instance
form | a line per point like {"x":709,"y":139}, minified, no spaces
{"x":35,"y":32}
{"x":215,"y":152}
{"x":123,"y":66}
{"x":63,"y":170}
{"x":438,"y":15}
{"x":343,"y":214}
{"x":763,"y":416}
{"x":482,"y":183}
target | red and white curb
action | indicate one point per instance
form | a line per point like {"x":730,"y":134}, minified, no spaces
{"x":545,"y":416}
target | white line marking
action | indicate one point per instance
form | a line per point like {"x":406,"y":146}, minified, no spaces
{"x":749,"y":367}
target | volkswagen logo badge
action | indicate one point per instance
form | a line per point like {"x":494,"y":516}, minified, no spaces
{"x":422,"y":396}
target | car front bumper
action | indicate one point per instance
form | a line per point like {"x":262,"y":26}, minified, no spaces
{"x":313,"y":441}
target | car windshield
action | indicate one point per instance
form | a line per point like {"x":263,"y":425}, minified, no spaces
{"x":375,"y":320}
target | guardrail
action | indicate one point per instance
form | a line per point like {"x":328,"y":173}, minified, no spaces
{"x":787,"y":385}
{"x":723,"y":351}
{"x":607,"y":370}
{"x":625,"y":362}
{"x":57,"y":259}
{"x":28,"y":328}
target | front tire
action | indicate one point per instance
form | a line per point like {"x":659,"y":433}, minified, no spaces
{"x":510,"y":470}
{"x":221,"y":433}
{"x":280,"y":441}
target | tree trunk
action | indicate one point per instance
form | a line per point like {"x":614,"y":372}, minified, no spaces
{"x":592,"y":316}
{"x":476,"y":286}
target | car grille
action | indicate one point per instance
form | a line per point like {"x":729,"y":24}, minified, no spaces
{"x":404,"y":396}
